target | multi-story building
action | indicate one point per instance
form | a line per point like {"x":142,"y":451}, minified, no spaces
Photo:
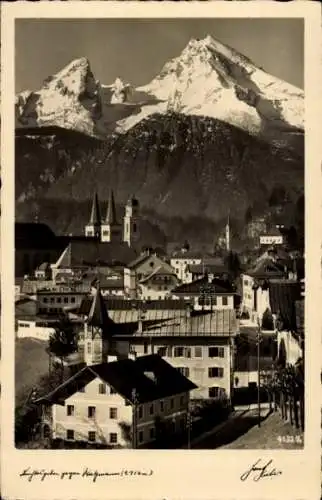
{"x":59,"y":298}
{"x":255,"y":287}
{"x":181,"y":261}
{"x":274,"y":236}
{"x":158,"y":284}
{"x":146,"y":274}
{"x":208,"y":293}
{"x":201,"y":346}
{"x":116,"y":400}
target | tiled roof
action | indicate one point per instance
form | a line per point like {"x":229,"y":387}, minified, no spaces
{"x":201,"y":285}
{"x":91,"y":252}
{"x":128,"y":378}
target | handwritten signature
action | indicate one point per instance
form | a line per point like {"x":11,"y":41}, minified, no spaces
{"x":42,"y":474}
{"x":259,"y":470}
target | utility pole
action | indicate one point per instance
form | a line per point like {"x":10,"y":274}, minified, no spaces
{"x":189,"y":422}
{"x":134,"y":419}
{"x":258,"y":374}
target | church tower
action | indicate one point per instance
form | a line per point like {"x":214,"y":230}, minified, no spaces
{"x":227,"y":234}
{"x":93,"y":228}
{"x":98,"y":332}
{"x":111,"y":230}
{"x":131,"y":232}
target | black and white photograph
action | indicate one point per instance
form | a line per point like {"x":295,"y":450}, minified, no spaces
{"x":159,"y":233}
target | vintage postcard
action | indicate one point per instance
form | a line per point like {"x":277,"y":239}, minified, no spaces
{"x":160,"y":250}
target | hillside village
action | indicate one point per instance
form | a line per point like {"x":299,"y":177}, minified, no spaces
{"x":153,"y":348}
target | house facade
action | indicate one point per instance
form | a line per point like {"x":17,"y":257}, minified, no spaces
{"x":148,"y":270}
{"x":181,"y":261}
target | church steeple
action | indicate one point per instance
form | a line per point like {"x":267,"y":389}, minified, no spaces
{"x":98,"y":331}
{"x":131,"y":233}
{"x":227,"y":231}
{"x":111,"y":229}
{"x":93,"y":228}
{"x":111,"y":210}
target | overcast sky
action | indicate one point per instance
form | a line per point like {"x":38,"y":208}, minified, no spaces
{"x":136,"y":49}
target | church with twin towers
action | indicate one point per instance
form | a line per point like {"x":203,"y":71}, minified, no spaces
{"x":108,"y":229}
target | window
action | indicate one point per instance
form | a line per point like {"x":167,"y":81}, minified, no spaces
{"x":187,"y":352}
{"x":72,"y":300}
{"x":113,"y":437}
{"x":70,"y":410}
{"x":140,"y":411}
{"x":140,"y":436}
{"x":52,"y":299}
{"x":65,"y":300}
{"x":161,"y":405}
{"x":151,"y":409}
{"x":70,"y":434}
{"x":45,"y":300}
{"x":214,"y":392}
{"x":216,"y":352}
{"x":225,"y":301}
{"x":112,"y":390}
{"x":181,"y":400}
{"x":113,"y":412}
{"x":171,"y":403}
{"x":89,"y":347}
{"x":91,"y":411}
{"x":102,"y":389}
{"x":58,"y":300}
{"x":145,"y":348}
{"x":184,"y":371}
{"x":162,"y":351}
{"x":198,"y":352}
{"x":152,"y":433}
{"x":134,"y":227}
{"x":91,"y":436}
{"x":215,"y":372}
{"x":178,"y":352}
{"x":82,"y":389}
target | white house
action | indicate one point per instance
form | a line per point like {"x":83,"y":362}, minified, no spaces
{"x":119,"y":404}
{"x":181,"y":262}
{"x":141,"y":268}
{"x":36,"y":328}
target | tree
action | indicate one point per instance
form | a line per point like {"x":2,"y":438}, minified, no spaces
{"x":63,"y":341}
{"x":267,"y":320}
{"x":233,"y":264}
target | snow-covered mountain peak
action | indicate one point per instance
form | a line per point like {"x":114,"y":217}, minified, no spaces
{"x":69,"y":99}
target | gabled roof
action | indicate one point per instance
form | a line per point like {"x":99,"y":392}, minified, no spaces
{"x":202,"y":285}
{"x":128,"y":378}
{"x":160,"y":270}
{"x":91,"y":252}
{"x":111,"y":210}
{"x":138,"y":261}
{"x":267,"y":268}
{"x":95,"y":218}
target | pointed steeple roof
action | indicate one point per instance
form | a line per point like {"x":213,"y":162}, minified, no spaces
{"x":98,"y":315}
{"x":111,"y":210}
{"x":95,"y":213}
